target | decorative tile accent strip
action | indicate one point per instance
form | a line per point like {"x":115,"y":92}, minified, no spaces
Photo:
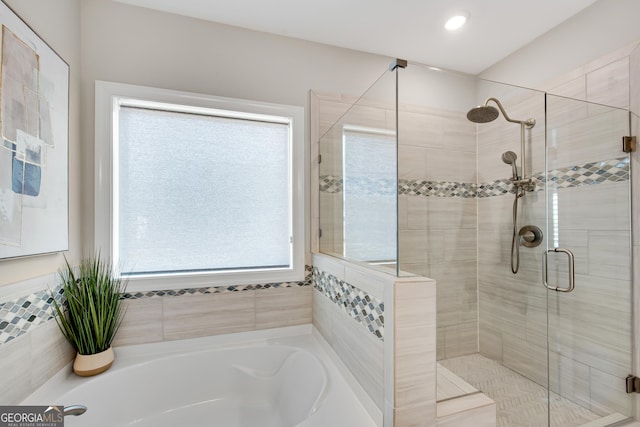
{"x":331,"y":184}
{"x":17,"y":317}
{"x":614,"y":170}
{"x":411,"y":187}
{"x":221,"y":289}
{"x":496,"y":188}
{"x":365,"y":309}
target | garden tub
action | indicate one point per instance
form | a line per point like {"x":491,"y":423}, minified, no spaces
{"x":277,"y":378}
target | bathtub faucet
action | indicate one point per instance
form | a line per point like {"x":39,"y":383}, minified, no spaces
{"x":75,"y":410}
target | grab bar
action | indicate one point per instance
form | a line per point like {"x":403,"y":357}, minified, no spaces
{"x":572,"y":276}
{"x":74,"y":410}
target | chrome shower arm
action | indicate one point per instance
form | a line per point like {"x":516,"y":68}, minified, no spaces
{"x":529,"y":123}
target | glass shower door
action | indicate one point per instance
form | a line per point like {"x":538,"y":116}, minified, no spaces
{"x":587,"y":262}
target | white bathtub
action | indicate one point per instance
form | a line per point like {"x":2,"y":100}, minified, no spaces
{"x":277,"y":378}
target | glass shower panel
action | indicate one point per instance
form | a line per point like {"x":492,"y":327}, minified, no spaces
{"x":588,"y":260}
{"x":358,"y":175}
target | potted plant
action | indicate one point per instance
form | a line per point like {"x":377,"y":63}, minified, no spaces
{"x":91,"y":313}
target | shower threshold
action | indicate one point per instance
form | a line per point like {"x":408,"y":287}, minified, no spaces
{"x":518,"y":400}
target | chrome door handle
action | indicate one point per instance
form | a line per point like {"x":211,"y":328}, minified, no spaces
{"x":572,"y":276}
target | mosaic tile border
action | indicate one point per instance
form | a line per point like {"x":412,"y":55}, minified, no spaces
{"x":362,"y":307}
{"x":18,"y":316}
{"x":412,"y":187}
{"x":593,"y":173}
{"x":221,"y":289}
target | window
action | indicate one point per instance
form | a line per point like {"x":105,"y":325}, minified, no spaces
{"x":370,"y":194}
{"x":199,"y":190}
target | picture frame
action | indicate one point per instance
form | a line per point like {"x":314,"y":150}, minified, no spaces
{"x":34,"y":142}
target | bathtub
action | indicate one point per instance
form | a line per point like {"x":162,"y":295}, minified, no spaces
{"x":275,"y":378}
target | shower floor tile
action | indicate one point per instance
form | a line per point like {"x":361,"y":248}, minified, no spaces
{"x":519,"y":401}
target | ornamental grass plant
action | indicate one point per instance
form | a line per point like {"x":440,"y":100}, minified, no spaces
{"x":91,"y":309}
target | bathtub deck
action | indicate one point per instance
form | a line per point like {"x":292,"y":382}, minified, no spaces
{"x":166,"y":368}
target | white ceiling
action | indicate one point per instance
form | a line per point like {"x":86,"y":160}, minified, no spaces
{"x":408,"y":29}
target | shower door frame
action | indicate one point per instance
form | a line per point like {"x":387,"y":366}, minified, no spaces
{"x":578,"y":307}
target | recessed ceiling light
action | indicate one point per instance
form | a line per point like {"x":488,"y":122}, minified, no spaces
{"x":456,"y":22}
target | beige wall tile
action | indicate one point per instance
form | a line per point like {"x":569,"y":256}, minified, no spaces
{"x":415,"y":370}
{"x":526,"y":355}
{"x":594,"y":207}
{"x":278,"y":307}
{"x":443,"y":213}
{"x":447,"y":165}
{"x":608,"y":394}
{"x":415,"y":343}
{"x":191,"y":316}
{"x":460,"y":245}
{"x":142,"y":322}
{"x":420,"y":130}
{"x":361,"y":352}
{"x":597,"y":137}
{"x":634,"y":84}
{"x":364,"y":278}
{"x":575,"y":88}
{"x":570,"y":379}
{"x":16,"y":361}
{"x":609,"y":85}
{"x":459,"y":133}
{"x":476,"y":409}
{"x":461,"y":339}
{"x":610,"y":254}
{"x":329,"y":265}
{"x":412,"y":162}
{"x":50,"y":352}
{"x":323,"y":315}
{"x":490,"y":343}
{"x":416,"y":416}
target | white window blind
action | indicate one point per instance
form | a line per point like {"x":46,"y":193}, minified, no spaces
{"x":199,"y":192}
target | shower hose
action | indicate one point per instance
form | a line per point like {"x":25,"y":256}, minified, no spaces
{"x":515,"y":266}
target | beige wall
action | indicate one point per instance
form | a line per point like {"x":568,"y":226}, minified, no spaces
{"x":58,"y":23}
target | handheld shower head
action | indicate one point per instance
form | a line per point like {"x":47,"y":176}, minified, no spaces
{"x":509,"y":157}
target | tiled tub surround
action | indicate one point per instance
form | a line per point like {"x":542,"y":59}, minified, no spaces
{"x":362,"y":307}
{"x":33,"y":349}
{"x":397,"y":366}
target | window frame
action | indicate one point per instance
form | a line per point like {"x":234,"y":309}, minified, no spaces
{"x":107,"y":98}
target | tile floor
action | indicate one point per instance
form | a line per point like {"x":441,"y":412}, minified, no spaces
{"x":519,"y":401}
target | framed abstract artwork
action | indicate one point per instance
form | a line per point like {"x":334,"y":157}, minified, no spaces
{"x":34,"y":144}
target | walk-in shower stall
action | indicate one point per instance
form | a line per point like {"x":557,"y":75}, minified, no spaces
{"x":517,"y":202}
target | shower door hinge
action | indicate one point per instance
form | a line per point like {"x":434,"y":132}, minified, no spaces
{"x":633,"y":384}
{"x":320,"y":232}
{"x":398,"y":63}
{"x":319,"y":158}
{"x":629,"y":144}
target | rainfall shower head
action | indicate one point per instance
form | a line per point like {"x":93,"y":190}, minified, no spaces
{"x":483,"y":114}
{"x":509,"y":157}
{"x":486,"y":113}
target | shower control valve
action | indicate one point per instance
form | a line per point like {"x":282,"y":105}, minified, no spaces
{"x":530,"y":236}
{"x":525,"y":184}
